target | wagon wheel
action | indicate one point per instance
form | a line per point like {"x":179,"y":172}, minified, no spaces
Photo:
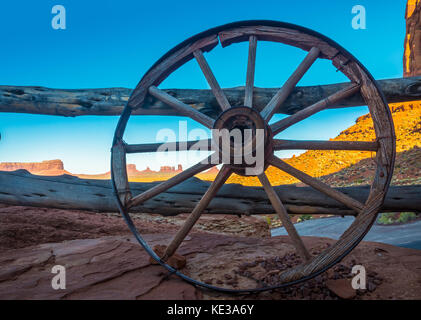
{"x":318,"y":47}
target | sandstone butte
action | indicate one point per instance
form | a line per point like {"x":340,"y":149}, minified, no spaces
{"x":46,"y":168}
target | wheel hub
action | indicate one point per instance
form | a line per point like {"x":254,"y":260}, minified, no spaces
{"x":243,"y":139}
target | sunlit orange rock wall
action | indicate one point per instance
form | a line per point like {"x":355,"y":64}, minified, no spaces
{"x":412,"y":55}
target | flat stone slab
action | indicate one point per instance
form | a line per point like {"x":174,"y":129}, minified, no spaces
{"x":116,"y":267}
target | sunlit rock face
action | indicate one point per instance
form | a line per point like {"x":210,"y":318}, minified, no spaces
{"x":47,"y":167}
{"x":412,"y":55}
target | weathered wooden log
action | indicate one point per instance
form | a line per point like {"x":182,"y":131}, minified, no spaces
{"x":68,"y":192}
{"x":110,"y":101}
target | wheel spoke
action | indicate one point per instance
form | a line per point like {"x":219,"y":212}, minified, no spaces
{"x":283,"y":215}
{"x":165,"y":185}
{"x":210,"y":78}
{"x":204,"y":145}
{"x":279,"y":144}
{"x":290,"y":84}
{"x":316,"y":184}
{"x":251,"y":66}
{"x":181,"y":106}
{"x":314,"y":108}
{"x":220,"y":179}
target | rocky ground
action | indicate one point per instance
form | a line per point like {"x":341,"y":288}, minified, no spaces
{"x":103,"y":261}
{"x":25,"y":226}
{"x":407,"y":171}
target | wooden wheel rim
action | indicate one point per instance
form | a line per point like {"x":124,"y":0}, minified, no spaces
{"x":305,"y":39}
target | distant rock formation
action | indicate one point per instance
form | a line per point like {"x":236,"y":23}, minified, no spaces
{"x":213,"y":170}
{"x":56,"y":168}
{"x":412,"y":55}
{"x":47,"y":167}
{"x":170,"y":169}
{"x":147,"y":170}
{"x":132,"y":170}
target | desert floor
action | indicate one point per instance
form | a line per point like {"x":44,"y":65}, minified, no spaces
{"x":103,"y":260}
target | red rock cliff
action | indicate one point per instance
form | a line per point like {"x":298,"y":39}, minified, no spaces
{"x":33,"y":167}
{"x":412,"y":54}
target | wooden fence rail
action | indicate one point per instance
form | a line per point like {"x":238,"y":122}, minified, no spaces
{"x":110,"y":101}
{"x":68,"y":192}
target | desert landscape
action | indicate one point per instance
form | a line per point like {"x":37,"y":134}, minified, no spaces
{"x":243,"y":237}
{"x":26,"y":229}
{"x":341,"y":168}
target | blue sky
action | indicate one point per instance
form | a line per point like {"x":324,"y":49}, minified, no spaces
{"x":112,"y":43}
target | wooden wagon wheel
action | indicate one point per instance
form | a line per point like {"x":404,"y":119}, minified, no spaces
{"x":318,"y":47}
